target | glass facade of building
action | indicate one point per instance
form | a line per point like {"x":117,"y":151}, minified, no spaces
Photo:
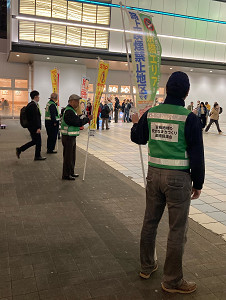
{"x":44,"y":32}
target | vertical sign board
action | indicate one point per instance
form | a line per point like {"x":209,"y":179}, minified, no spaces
{"x":146,"y":58}
{"x":84,"y":91}
{"x":55,"y":82}
{"x":101,"y":80}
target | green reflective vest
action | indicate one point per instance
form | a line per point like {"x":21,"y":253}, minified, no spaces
{"x":66,"y":129}
{"x":47,"y":112}
{"x":167,"y":144}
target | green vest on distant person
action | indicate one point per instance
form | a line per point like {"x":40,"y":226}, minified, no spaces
{"x":167,"y":144}
{"x":66,"y":129}
{"x":47,"y":112}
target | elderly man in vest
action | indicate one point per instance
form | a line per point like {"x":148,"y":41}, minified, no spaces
{"x":175,"y":176}
{"x":52,"y":119}
{"x":70,"y":127}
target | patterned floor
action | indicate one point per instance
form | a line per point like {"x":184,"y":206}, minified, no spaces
{"x":115,"y":149}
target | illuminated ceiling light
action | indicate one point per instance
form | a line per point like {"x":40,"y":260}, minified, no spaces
{"x":47,"y":58}
{"x":171,"y":68}
{"x":191,"y":70}
{"x":158,"y":12}
{"x":76,"y":60}
{"x":18,"y":55}
{"x":34,"y":19}
{"x":211,"y":71}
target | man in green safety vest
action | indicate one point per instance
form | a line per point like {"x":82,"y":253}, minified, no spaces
{"x":70,"y":127}
{"x":52,"y":119}
{"x":176,"y":173}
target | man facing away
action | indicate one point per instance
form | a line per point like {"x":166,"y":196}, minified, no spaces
{"x":175,"y":176}
{"x":191,"y":106}
{"x":70,"y":127}
{"x":52,"y":119}
{"x":34,"y":127}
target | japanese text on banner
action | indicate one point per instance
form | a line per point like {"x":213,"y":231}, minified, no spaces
{"x":55,"y":80}
{"x":102,"y":76}
{"x":146,"y":58}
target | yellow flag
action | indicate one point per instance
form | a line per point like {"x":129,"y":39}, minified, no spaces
{"x":102,"y":76}
{"x":54,"y":79}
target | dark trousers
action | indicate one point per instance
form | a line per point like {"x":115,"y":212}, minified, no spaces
{"x":116,"y":116}
{"x":210,"y":123}
{"x":52,"y":132}
{"x":105,"y":121}
{"x":171,"y":188}
{"x":69,"y":154}
{"x":203,"y":120}
{"x":36,"y":140}
{"x":98,"y":122}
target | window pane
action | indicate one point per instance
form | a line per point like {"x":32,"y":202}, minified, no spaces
{"x":21,"y":84}
{"x":43,"y":8}
{"x":42,"y":33}
{"x":74,"y":11}
{"x":113,"y":89}
{"x":102,"y":39}
{"x":59,"y":9}
{"x":88,"y":37}
{"x":26,"y":30}
{"x":73,"y":36}
{"x":103,"y":15}
{"x":6,"y":102}
{"x":58,"y":34}
{"x":5,"y":82}
{"x":89,"y":13}
{"x":27,"y":7}
{"x":20,"y":100}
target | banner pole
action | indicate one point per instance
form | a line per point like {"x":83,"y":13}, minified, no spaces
{"x":87,"y":146}
{"x":131,"y":86}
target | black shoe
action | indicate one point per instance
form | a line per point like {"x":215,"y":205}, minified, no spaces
{"x":74,"y":175}
{"x":40,"y":158}
{"x":68,"y":178}
{"x":18,"y":152}
{"x":107,"y":128}
{"x":51,"y":152}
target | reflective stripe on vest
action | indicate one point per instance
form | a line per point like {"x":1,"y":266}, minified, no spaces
{"x":169,"y":162}
{"x":164,"y":116}
{"x":69,"y":130}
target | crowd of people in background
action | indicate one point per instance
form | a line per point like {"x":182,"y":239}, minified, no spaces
{"x":204,"y":111}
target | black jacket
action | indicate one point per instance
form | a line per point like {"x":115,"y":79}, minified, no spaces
{"x":193,"y":136}
{"x":33,"y":117}
{"x":72,"y":119}
{"x":105,"y":112}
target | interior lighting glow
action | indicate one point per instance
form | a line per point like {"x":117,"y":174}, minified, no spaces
{"x":158,"y":12}
{"x":76,"y":60}
{"x":47,"y":57}
{"x":171,"y":68}
{"x":211,"y":71}
{"x":18,"y":55}
{"x":34,"y":19}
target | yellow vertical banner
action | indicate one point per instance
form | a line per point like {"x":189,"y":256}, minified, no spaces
{"x":55,"y":79}
{"x":101,"y":80}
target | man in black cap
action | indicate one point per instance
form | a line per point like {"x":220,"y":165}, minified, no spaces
{"x":70,"y":127}
{"x":175,"y":176}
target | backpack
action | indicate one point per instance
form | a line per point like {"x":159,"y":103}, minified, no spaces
{"x":221,"y":110}
{"x":23,"y":117}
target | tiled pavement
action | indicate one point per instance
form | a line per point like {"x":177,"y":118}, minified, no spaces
{"x":80,"y":240}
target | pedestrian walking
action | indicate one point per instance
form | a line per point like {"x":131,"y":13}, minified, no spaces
{"x":105,"y":115}
{"x":117,"y":106}
{"x":175,"y":176}
{"x":214,"y":117}
{"x":34,"y":127}
{"x":52,"y":119}
{"x":70,"y":127}
{"x":202,"y":114}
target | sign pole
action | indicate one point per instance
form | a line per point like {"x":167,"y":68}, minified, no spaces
{"x":131,"y":83}
{"x":87,"y":146}
{"x":131,"y":86}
